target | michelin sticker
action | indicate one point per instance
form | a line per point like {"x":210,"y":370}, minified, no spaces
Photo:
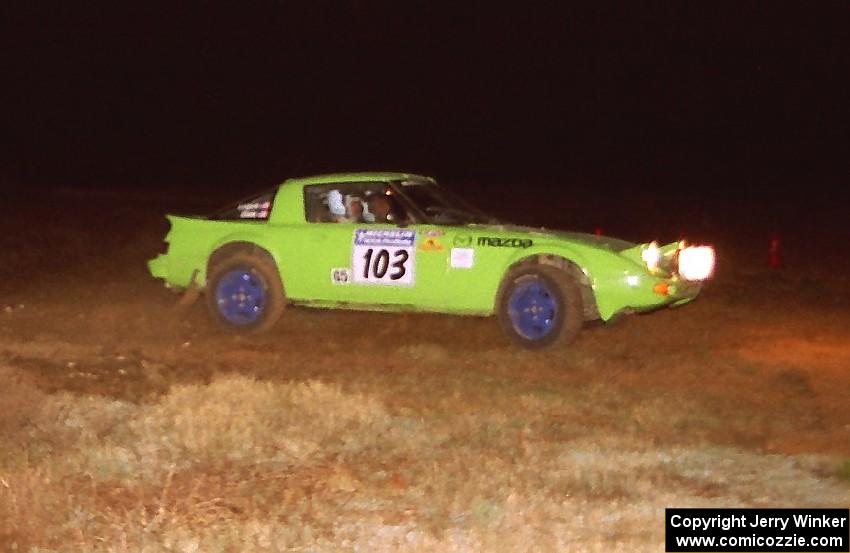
{"x":462,"y":258}
{"x":384,"y":256}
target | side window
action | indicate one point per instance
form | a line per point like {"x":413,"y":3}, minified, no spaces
{"x":361,"y":202}
{"x":316,"y":209}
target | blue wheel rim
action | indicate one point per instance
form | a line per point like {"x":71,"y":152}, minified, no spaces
{"x":533,"y":309}
{"x":241,"y":297}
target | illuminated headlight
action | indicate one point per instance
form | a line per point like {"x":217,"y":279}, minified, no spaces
{"x":651,"y":255}
{"x":696,"y":262}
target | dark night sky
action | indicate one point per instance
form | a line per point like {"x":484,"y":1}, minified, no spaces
{"x":721,"y":96}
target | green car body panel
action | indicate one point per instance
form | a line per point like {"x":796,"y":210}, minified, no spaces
{"x":453,"y":268}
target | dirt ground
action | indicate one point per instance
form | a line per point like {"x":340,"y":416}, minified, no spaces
{"x":760,"y":364}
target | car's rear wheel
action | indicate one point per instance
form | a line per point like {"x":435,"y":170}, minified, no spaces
{"x":244,"y":292}
{"x":540,"y":306}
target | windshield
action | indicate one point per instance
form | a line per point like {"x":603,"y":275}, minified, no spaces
{"x":440,"y":206}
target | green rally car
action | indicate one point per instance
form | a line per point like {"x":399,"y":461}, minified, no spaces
{"x":400,"y":242}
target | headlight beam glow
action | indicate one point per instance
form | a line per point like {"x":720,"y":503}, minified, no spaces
{"x":696,"y":262}
{"x":651,"y":255}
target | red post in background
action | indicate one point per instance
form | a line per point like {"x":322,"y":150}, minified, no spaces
{"x":598,"y":231}
{"x":774,"y":252}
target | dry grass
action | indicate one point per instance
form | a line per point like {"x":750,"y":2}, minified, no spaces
{"x":245,"y":465}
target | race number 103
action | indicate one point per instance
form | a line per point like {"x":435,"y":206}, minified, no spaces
{"x":378,"y":266}
{"x":384,"y":257}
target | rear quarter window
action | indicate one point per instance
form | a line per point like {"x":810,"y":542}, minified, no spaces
{"x":255,"y":208}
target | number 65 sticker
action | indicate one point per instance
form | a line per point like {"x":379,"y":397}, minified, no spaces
{"x":383,"y":256}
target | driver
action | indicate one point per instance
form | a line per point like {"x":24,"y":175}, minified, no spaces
{"x":354,"y":209}
{"x":344,"y":209}
{"x":380,"y":208}
{"x":336,"y":205}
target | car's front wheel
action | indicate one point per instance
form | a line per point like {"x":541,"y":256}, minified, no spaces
{"x":540,"y":306}
{"x":244,"y":292}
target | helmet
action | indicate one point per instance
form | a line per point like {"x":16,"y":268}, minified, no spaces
{"x":335,"y":203}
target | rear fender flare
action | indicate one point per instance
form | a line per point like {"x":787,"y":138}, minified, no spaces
{"x":254,"y":244}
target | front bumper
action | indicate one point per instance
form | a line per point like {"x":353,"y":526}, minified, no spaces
{"x":638,"y":293}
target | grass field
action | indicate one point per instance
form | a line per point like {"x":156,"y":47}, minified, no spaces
{"x":127,"y":425}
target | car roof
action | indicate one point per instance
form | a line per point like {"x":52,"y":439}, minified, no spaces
{"x":366,"y":176}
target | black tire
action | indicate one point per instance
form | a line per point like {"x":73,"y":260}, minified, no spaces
{"x":562,"y":291}
{"x":259,"y":266}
